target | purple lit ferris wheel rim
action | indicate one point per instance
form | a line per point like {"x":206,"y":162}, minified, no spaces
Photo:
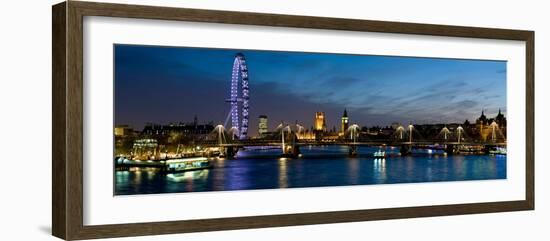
{"x":239,"y":98}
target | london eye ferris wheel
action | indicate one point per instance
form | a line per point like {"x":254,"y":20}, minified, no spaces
{"x":239,"y":97}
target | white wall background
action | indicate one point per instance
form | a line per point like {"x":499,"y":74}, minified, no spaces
{"x":25,"y":117}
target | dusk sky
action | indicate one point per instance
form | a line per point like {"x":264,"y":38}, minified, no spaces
{"x":173,"y":84}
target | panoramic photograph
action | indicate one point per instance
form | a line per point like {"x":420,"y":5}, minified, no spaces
{"x":190,"y":119}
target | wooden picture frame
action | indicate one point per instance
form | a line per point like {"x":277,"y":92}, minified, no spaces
{"x":67,"y":124}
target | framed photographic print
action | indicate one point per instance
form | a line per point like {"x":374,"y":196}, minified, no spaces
{"x":171,"y":120}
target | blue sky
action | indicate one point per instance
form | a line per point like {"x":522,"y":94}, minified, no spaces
{"x":172,"y":84}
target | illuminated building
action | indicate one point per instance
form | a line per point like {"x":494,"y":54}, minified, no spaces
{"x":145,"y":148}
{"x":123,"y":130}
{"x":345,"y":122}
{"x":493,"y":128}
{"x":320,"y":122}
{"x":124,"y":139}
{"x":262,"y":125}
{"x":187,"y":129}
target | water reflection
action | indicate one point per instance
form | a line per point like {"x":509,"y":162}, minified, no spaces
{"x":237,"y":176}
{"x":283,"y":176}
{"x":380,"y":169}
{"x":459,"y":167}
{"x":319,"y":166}
{"x":187,"y":176}
{"x":353,"y":170}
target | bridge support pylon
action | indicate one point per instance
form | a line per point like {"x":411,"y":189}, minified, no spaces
{"x":291,"y":151}
{"x":230,"y":152}
{"x":405,"y":150}
{"x":352,"y":151}
{"x":450,"y":149}
{"x":296,"y":151}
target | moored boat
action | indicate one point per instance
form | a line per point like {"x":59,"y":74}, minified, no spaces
{"x":498,"y":151}
{"x":187,"y":164}
{"x":380,"y":153}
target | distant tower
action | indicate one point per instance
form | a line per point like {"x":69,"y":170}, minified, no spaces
{"x":345,"y":122}
{"x":482,"y":119}
{"x":481,"y":125}
{"x":320,"y":122}
{"x":500,"y":119}
{"x":195,"y":121}
{"x":262,"y":125}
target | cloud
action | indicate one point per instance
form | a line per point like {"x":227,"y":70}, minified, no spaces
{"x":343,"y":81}
{"x":467,"y":104}
{"x":445,"y":85}
{"x":487,"y":97}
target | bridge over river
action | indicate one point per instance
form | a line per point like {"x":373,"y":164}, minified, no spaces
{"x":292,"y":146}
{"x":291,"y":139}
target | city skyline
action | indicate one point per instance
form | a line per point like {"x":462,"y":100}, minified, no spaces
{"x":174,"y":84}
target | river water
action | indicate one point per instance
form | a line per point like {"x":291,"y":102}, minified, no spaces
{"x":318,"y":167}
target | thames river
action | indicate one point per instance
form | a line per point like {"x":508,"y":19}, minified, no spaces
{"x":318,"y":167}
